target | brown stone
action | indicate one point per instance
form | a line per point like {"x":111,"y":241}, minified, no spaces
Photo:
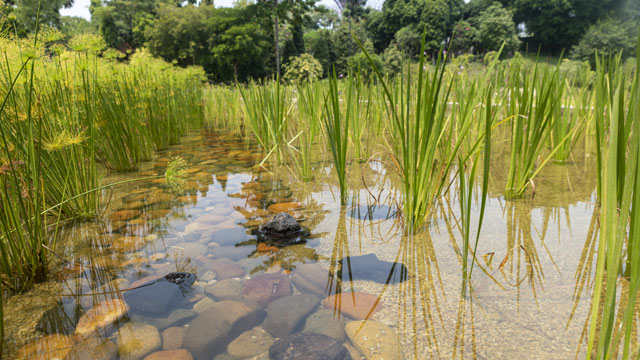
{"x":310,"y":279}
{"x":172,"y":338}
{"x":101,"y":316}
{"x":356,"y":305}
{"x":124,"y":215}
{"x":181,"y":354}
{"x":282,"y":207}
{"x":224,"y":268}
{"x":265,"y":288}
{"x":126,"y":244}
{"x":48,"y":347}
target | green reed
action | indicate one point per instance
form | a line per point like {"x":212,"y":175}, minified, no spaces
{"x":268,"y":109}
{"x":423,"y":146}
{"x":618,"y":128}
{"x":336,"y":126}
{"x":570,"y":119}
{"x":307,"y":128}
{"x":467,"y":184}
{"x":532,"y":102}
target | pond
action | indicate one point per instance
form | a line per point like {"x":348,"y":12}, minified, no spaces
{"x":349,"y":284}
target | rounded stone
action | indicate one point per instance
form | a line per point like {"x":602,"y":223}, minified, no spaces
{"x":180,"y":354}
{"x":308,"y":346}
{"x":137,"y":340}
{"x":228,"y":289}
{"x":172,"y":338}
{"x":374,"y":340}
{"x":250,"y":343}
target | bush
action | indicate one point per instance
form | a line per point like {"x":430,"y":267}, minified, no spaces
{"x":360,"y":62}
{"x":409,"y":39}
{"x":465,"y":38}
{"x":392,"y":60}
{"x":496,"y":27}
{"x":577,"y":72}
{"x":607,"y":37}
{"x":303,"y":68}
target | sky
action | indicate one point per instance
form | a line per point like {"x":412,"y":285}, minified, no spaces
{"x":81,"y":7}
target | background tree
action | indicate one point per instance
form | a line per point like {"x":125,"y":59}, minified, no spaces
{"x":318,"y":43}
{"x":303,"y":68}
{"x":496,"y":27}
{"x":26,"y":12}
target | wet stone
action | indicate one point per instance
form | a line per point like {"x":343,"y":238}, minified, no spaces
{"x":356,"y":305}
{"x":250,"y":343}
{"x":308,"y":346}
{"x":265,"y":288}
{"x":326,"y":322}
{"x":189,"y":250}
{"x":230,"y":236}
{"x":369,"y":267}
{"x":210,"y":332}
{"x":172,"y":338}
{"x":94,"y":348}
{"x":180,"y":354}
{"x":48,"y":347}
{"x":228,"y":289}
{"x":101,"y":317}
{"x":203,"y":305}
{"x":137,"y":340}
{"x":224,"y":268}
{"x":310,"y":278}
{"x":160,"y":296}
{"x":374,"y":340}
{"x":281,"y":225}
{"x":230,"y":252}
{"x":287,"y":314}
{"x":176,"y":317}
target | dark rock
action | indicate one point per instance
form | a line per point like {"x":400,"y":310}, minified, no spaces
{"x":265,"y":288}
{"x":210,"y":333}
{"x":308,"y":346}
{"x":162,"y":295}
{"x":176,"y":317}
{"x":281,"y":225}
{"x":287,"y":314}
{"x":310,"y":279}
{"x":369,"y":267}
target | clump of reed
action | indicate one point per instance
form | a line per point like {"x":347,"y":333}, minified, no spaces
{"x":336,"y":126}
{"x":617,"y":113}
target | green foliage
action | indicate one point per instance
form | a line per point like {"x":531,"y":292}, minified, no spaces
{"x":408,"y":39}
{"x":319,"y":44}
{"x":344,"y":44}
{"x":607,"y":37}
{"x":495,"y":27}
{"x":364,"y":63}
{"x":74,"y":25}
{"x":294,"y":46}
{"x":46,"y":11}
{"x":577,"y":72}
{"x":465,"y":38}
{"x":94,"y":44}
{"x":336,"y":126}
{"x":392,"y":60}
{"x":435,"y":19}
{"x":303,"y":68}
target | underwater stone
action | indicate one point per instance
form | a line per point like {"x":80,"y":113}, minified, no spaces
{"x":308,"y":346}
{"x":356,"y":305}
{"x":101,"y":316}
{"x":374,"y":340}
{"x":48,"y":347}
{"x":159,"y":296}
{"x":136,"y":340}
{"x":287,"y":314}
{"x":251,"y":343}
{"x":369,"y":267}
{"x":265,"y":288}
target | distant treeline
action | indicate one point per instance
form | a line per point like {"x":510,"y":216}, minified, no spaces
{"x":239,"y":42}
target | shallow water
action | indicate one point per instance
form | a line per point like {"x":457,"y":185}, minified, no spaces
{"x":530,"y":292}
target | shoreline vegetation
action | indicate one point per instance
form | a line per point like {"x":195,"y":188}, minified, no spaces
{"x":71,"y":114}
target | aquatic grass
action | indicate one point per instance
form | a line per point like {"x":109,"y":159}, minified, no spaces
{"x":570,"y":118}
{"x":336,"y":126}
{"x":423,"y":145}
{"x":466,"y":189}
{"x":532,"y":102}
{"x":267,"y":108}
{"x":619,"y":185}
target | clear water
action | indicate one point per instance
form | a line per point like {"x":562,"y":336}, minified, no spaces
{"x":531,"y":287}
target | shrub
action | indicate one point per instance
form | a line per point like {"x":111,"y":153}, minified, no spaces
{"x":392,"y":60}
{"x":607,"y":37}
{"x":359,"y":61}
{"x":496,"y":27}
{"x":303,"y":68}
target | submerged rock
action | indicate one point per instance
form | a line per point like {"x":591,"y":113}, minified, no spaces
{"x":308,"y":346}
{"x":356,"y":305}
{"x":287,"y":314}
{"x":101,"y":317}
{"x":137,"y":340}
{"x":210,"y":333}
{"x":282,"y":225}
{"x":310,"y":279}
{"x":159,"y":296}
{"x":369,"y":267}
{"x":374,"y":340}
{"x":251,"y":343}
{"x":265,"y":288}
{"x":48,"y":347}
{"x":94,"y":348}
